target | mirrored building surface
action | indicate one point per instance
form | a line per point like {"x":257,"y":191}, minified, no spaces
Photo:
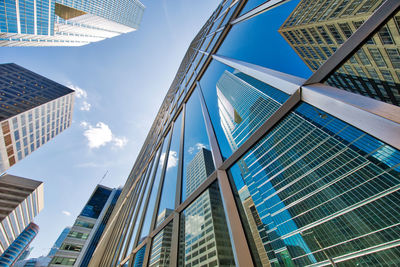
{"x":276,"y":144}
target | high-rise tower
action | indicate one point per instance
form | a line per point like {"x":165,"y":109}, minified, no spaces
{"x":33,"y":110}
{"x":20,"y":244}
{"x":66,"y":23}
{"x":78,"y":246}
{"x":21,"y":200}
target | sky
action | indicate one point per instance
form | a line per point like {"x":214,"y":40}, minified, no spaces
{"x":120,"y":84}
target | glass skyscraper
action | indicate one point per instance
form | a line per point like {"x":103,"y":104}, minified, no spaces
{"x":15,"y":250}
{"x":254,"y":160}
{"x":59,"y":241}
{"x":66,"y":22}
{"x":33,"y":110}
{"x":77,"y":246}
{"x":21,"y":200}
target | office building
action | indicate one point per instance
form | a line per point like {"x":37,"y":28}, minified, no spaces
{"x":25,"y":254}
{"x":20,"y":244}
{"x":33,"y":110}
{"x":162,"y":243}
{"x":59,"y":241}
{"x":42,"y":261}
{"x":77,"y":247}
{"x":316,"y":29}
{"x":21,"y":200}
{"x":269,"y":168}
{"x":66,"y":23}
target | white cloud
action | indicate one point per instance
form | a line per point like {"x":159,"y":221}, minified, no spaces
{"x":172,"y":159}
{"x":101,"y":134}
{"x":82,"y":94}
{"x":196,"y":148}
{"x":66,"y":213}
{"x":85,"y":106}
{"x":79,"y":92}
{"x":120,"y":142}
{"x":193,"y":224}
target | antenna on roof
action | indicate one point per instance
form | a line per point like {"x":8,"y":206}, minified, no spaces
{"x":104,"y":176}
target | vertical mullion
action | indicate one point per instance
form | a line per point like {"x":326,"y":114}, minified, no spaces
{"x":239,"y":241}
{"x":159,"y":193}
{"x":156,"y":162}
{"x":126,"y":216}
{"x":132,"y":226}
{"x":112,"y":240}
{"x":175,"y":223}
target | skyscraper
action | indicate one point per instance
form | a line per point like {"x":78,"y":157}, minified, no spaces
{"x":66,"y":23}
{"x":211,"y":246}
{"x":20,"y":244}
{"x":22,"y":199}
{"x":77,"y":247}
{"x":33,"y":110}
{"x":316,"y":29}
{"x":56,"y":246}
{"x":162,"y":243}
{"x":301,"y":173}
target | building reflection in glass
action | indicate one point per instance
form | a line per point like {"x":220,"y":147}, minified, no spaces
{"x":307,"y":186}
{"x":204,"y":236}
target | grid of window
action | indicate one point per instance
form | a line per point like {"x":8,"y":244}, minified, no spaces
{"x":267,"y":170}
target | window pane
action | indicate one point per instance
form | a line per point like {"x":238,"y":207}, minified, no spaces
{"x":238,"y":104}
{"x":160,"y":249}
{"x":375,"y":72}
{"x":315,"y":189}
{"x":153,"y":195}
{"x":254,"y":42}
{"x":169,"y":188}
{"x":139,"y":257}
{"x":143,"y":192}
{"x":251,"y":4}
{"x":196,"y":146}
{"x":204,"y":235}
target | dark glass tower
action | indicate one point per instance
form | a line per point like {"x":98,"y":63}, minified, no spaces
{"x":20,"y":244}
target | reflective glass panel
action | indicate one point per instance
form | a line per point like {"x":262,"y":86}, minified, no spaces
{"x":161,"y":247}
{"x":237,"y":103}
{"x":317,"y":190}
{"x":153,"y":195}
{"x":196,"y":148}
{"x":374,"y":70}
{"x":139,"y":257}
{"x":257,"y":40}
{"x":251,"y":4}
{"x":204,"y":236}
{"x":134,"y":219}
{"x":167,"y":201}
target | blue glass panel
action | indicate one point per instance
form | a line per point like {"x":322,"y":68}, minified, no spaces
{"x":253,"y":42}
{"x":237,"y":104}
{"x":315,"y":189}
{"x":196,"y":148}
{"x":167,"y":202}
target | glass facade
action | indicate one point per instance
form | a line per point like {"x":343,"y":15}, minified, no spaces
{"x":252,"y":166}
{"x":20,"y":244}
{"x":66,"y":22}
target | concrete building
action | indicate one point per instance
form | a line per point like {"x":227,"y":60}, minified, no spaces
{"x":66,"y":23}
{"x":33,"y":110}
{"x":21,"y":200}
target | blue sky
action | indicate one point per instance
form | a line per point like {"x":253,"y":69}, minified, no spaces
{"x":120,"y":85}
